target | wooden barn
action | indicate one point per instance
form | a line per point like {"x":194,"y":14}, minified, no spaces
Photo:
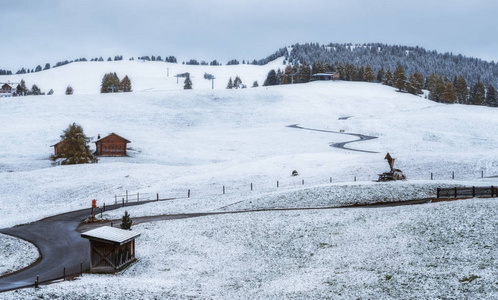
{"x":111,"y":145}
{"x":59,"y":147}
{"x":111,"y":249}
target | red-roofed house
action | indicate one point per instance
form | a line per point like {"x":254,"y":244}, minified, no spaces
{"x":111,"y":145}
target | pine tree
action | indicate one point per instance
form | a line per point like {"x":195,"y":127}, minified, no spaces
{"x":449,"y":94}
{"x":255,"y":84}
{"x":360,"y":74}
{"x":110,"y":83}
{"x":287,"y":76}
{"x":415,"y":83}
{"x":125,"y":84}
{"x":388,"y":78}
{"x":303,"y":73}
{"x":437,"y":88}
{"x":74,"y":148}
{"x":69,"y":90}
{"x":399,"y":78}
{"x":188,"y":83}
{"x":237,"y":83}
{"x":126,"y":221}
{"x":491,"y":97}
{"x":35,"y":90}
{"x":369,"y":74}
{"x":230,"y":84}
{"x":461,"y":89}
{"x":381,"y":74}
{"x":24,"y":89}
{"x":51,"y":92}
{"x":478,"y":94}
{"x":351,"y":72}
{"x":47,"y":66}
{"x":271,"y":78}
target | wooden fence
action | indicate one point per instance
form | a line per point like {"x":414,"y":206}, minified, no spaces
{"x":467,"y":192}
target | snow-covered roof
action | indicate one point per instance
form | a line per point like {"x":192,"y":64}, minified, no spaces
{"x":110,"y":234}
{"x":112,"y":134}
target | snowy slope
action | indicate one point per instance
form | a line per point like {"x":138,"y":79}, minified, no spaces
{"x":205,"y":139}
{"x":86,"y":77}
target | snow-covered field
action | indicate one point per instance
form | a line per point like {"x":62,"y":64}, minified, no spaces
{"x":442,"y":250}
{"x":205,"y":139}
{"x":16,"y":254}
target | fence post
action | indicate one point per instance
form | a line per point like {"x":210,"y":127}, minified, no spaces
{"x":473,"y":191}
{"x":492,"y":191}
{"x":330,"y":179}
{"x":303,"y":181}
{"x":37,"y":282}
{"x":123,"y":202}
{"x":81,"y":265}
{"x":432,"y":176}
{"x":126,"y":196}
{"x":115,"y":199}
{"x":456,"y":192}
{"x":101,"y":213}
{"x":277,"y":183}
{"x":223,"y":190}
{"x":188,"y":195}
{"x":355,"y":178}
{"x":138,"y":197}
{"x":64,"y":277}
{"x":453,"y":175}
{"x":482,"y":174}
{"x":157,"y":196}
{"x":437,"y":192}
{"x":104,"y":206}
{"x":251,"y":186}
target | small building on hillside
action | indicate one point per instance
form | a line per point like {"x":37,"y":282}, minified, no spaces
{"x":10,"y":89}
{"x":59,"y":147}
{"x":326,"y":76}
{"x":111,"y":145}
{"x":111,"y":249}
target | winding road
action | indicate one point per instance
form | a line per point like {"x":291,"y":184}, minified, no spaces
{"x":362,"y":137}
{"x":60,"y":246}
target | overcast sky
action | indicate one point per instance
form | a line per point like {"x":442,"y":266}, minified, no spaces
{"x":52,"y":30}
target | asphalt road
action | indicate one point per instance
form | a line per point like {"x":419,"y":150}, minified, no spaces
{"x":60,"y":246}
{"x":341,"y":145}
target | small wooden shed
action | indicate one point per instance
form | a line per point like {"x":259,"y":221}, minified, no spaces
{"x":59,"y":147}
{"x":111,"y":145}
{"x":111,"y":249}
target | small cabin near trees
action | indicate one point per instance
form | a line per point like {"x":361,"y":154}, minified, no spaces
{"x":59,"y":147}
{"x":111,"y":145}
{"x":111,"y":249}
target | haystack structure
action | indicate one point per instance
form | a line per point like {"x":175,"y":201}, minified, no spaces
{"x":111,"y":249}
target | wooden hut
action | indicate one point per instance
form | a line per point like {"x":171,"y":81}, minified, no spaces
{"x":59,"y":147}
{"x":111,"y":249}
{"x":111,"y":145}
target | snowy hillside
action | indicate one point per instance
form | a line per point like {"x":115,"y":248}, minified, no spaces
{"x":202,"y":139}
{"x":205,"y":139}
{"x":86,"y":77}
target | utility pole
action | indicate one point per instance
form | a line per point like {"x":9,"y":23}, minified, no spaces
{"x":212,"y":82}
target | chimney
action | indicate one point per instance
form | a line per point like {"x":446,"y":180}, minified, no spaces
{"x":98,"y":137}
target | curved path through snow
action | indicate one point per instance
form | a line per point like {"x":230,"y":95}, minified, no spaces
{"x":342,"y":144}
{"x":60,"y":246}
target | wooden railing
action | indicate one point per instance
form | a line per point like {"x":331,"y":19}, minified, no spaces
{"x":467,"y":192}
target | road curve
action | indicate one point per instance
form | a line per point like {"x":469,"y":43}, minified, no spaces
{"x":60,"y":246}
{"x":341,"y":145}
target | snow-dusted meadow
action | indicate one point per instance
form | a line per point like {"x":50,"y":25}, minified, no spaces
{"x":442,"y":250}
{"x":16,"y":254}
{"x":205,"y":139}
